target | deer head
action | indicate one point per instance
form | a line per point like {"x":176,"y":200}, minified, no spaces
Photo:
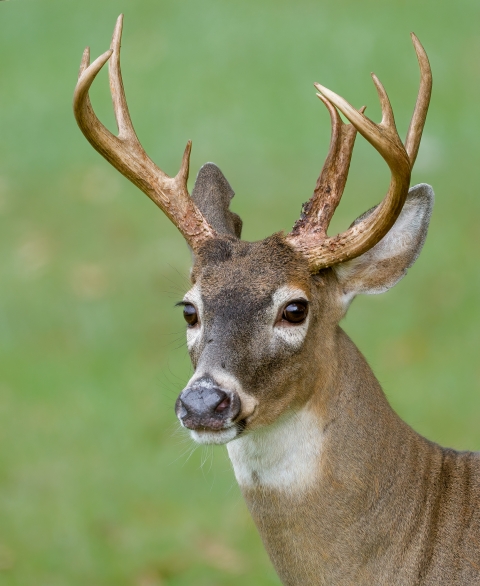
{"x":262,"y":317}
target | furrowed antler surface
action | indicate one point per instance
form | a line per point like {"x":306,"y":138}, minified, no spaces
{"x":125,"y":152}
{"x":323,"y":252}
{"x":318,"y":211}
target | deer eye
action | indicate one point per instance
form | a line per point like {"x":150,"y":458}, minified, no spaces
{"x":190,"y":314}
{"x":295,"y":312}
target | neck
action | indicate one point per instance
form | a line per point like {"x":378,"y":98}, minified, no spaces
{"x":326,"y":471}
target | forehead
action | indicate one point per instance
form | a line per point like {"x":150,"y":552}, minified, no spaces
{"x":232,"y":269}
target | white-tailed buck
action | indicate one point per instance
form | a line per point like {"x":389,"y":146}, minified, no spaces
{"x":342,"y":491}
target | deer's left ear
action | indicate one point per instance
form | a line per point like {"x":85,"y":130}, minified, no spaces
{"x":212,"y":195}
{"x":387,"y":262}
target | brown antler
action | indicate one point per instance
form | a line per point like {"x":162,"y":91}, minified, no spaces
{"x":319,"y":210}
{"x":384,"y":137}
{"x":125,"y":152}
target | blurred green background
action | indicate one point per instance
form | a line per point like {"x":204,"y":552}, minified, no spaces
{"x":97,"y":486}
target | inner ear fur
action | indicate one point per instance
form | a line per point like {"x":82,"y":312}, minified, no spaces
{"x":380,"y":268}
{"x":212,"y":195}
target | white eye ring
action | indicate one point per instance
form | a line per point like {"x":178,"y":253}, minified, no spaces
{"x":194,"y":298}
{"x":292,"y":334}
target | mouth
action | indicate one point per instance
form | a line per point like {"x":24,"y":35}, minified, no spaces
{"x":220,"y":436}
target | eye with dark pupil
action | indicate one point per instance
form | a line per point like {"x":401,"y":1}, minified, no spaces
{"x":295,"y":312}
{"x":190,"y":314}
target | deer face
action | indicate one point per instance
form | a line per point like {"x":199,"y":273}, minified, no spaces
{"x":254,"y":311}
{"x":258,"y":319}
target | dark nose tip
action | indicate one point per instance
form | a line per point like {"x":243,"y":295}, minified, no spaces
{"x":207,"y":407}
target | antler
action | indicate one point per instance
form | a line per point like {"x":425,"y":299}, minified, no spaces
{"x":125,"y":152}
{"x":319,"y":210}
{"x":384,"y":137}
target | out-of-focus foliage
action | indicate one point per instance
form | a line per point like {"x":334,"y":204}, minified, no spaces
{"x":96,"y":484}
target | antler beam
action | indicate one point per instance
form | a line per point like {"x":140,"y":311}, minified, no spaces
{"x":125,"y":152}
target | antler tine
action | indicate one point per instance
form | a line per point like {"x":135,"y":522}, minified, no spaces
{"x":417,"y":123}
{"x":120,"y":107}
{"x":384,"y":137}
{"x":85,"y":62}
{"x":126,"y":154}
{"x":388,"y":119}
{"x":94,"y":131}
{"x":319,"y":210}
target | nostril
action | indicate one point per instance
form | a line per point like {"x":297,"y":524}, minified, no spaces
{"x":181,"y":412}
{"x":224,"y":404}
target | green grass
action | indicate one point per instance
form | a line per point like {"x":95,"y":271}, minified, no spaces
{"x":97,"y":486}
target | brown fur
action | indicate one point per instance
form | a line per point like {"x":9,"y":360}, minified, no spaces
{"x":390,"y":507}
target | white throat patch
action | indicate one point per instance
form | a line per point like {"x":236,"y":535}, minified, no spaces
{"x":282,"y":456}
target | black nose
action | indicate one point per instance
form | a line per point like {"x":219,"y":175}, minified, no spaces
{"x":206,"y":406}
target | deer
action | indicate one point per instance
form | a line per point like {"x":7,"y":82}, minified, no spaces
{"x":342,"y":491}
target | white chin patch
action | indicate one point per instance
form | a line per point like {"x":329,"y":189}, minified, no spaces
{"x":214,"y":437}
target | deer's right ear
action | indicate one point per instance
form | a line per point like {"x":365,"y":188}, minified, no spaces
{"x":381,"y":267}
{"x":212,"y":194}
